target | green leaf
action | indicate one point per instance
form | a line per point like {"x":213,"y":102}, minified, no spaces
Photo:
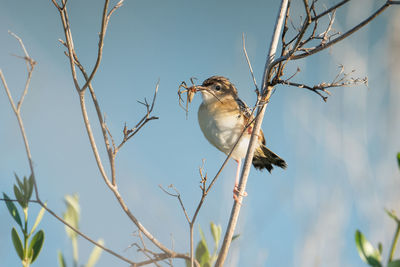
{"x":71,"y":214}
{"x":188,"y":264}
{"x":373,"y":261}
{"x":380,"y":248}
{"x":235,"y":237}
{"x":366,"y":251}
{"x":216,"y":231}
{"x":202,"y":236}
{"x":20,"y":197}
{"x":12,"y":209}
{"x":392,"y":215}
{"x":17,"y":243}
{"x":202,"y":252}
{"x":395,"y":263}
{"x":38,"y":219}
{"x":398,"y":159}
{"x":36,"y":244}
{"x":26,"y":187}
{"x":61,"y":260}
{"x":95,"y":255}
{"x":20,"y":184}
{"x":73,"y":202}
{"x":30,"y":187}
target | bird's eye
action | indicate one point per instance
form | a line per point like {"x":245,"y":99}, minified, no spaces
{"x":217,"y":87}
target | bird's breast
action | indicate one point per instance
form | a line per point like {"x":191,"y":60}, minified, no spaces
{"x":222,"y":125}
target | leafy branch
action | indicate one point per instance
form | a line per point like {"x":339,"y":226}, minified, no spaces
{"x":27,"y":251}
{"x":373,"y":256}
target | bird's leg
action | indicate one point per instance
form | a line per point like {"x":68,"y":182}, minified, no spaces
{"x":236,"y":192}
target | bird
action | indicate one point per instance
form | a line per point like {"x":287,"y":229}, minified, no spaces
{"x":222,"y":117}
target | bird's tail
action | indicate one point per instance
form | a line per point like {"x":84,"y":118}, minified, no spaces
{"x":264,"y":159}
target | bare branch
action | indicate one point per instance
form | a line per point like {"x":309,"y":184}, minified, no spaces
{"x":249,"y":64}
{"x":30,"y":64}
{"x":118,"y":5}
{"x":306,"y":7}
{"x":342,"y":79}
{"x":313,"y":50}
{"x":329,"y":10}
{"x":128,"y":134}
{"x":17,"y":109}
{"x":178,"y":196}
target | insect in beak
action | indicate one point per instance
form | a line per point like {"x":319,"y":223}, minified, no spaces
{"x":190,"y":92}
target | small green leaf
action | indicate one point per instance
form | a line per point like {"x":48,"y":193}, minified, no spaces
{"x":26,"y":186}
{"x":71,"y":218}
{"x":61,"y":260}
{"x":38,"y":219}
{"x":12,"y":209}
{"x":20,"y":184}
{"x":380,"y":248}
{"x":216,"y":233}
{"x":95,"y":255}
{"x":188,"y":264}
{"x":392,"y":215}
{"x":366,"y":250}
{"x":73,"y":202}
{"x":373,"y":261}
{"x":36,"y":244}
{"x":398,"y":159}
{"x":20,"y":197}
{"x":71,"y":214}
{"x":17,"y":243}
{"x":395,"y":263}
{"x":202,"y":254}
{"x":235,"y":237}
{"x":30,"y":187}
{"x":202,"y":236}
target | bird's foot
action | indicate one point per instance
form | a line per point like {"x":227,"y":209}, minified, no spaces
{"x":236,"y":194}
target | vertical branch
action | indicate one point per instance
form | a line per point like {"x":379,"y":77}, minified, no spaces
{"x":253,"y":140}
{"x":30,"y":63}
{"x":248,"y":63}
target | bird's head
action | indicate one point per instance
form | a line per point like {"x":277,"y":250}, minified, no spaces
{"x":215,"y":88}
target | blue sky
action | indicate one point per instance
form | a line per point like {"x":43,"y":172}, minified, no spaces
{"x":340,"y":154}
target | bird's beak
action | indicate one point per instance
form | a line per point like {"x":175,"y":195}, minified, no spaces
{"x":197,"y":88}
{"x":192,"y":90}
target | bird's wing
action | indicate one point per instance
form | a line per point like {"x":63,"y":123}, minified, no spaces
{"x":244,"y":109}
{"x":247,"y":113}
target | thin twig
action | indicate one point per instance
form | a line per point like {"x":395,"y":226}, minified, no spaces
{"x":178,"y":196}
{"x":128,"y":134}
{"x":248,"y":62}
{"x":329,"y":10}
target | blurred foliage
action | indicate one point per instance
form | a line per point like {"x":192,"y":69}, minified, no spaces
{"x":202,"y":254}
{"x":27,"y":251}
{"x":373,"y":256}
{"x":72,"y":216}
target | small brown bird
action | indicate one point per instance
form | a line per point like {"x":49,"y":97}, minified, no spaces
{"x":223,"y":116}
